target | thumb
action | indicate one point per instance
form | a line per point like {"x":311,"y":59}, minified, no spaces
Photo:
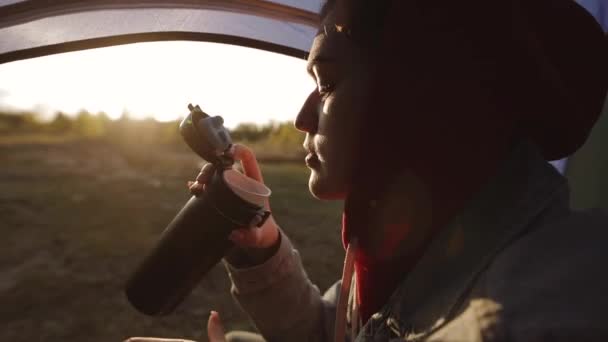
{"x":215,"y":330}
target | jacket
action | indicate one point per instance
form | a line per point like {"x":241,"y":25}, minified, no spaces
{"x":517,"y":265}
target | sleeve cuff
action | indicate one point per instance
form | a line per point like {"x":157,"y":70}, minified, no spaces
{"x":252,"y":279}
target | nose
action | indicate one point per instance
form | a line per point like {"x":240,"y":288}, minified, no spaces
{"x":308,"y":117}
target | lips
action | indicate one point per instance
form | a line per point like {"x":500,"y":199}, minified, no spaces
{"x":312,"y":160}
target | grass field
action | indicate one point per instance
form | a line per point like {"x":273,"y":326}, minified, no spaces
{"x":76,"y":217}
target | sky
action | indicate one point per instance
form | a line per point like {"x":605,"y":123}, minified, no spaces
{"x":159,"y":80}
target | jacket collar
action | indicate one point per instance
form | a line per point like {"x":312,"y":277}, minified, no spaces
{"x":502,"y":211}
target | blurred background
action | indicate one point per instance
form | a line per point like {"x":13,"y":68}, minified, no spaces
{"x":93,"y":168}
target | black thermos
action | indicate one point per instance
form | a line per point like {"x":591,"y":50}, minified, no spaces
{"x":197,"y":238}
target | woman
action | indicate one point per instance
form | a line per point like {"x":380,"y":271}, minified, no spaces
{"x":433,"y":121}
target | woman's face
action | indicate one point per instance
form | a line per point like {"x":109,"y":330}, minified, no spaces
{"x":333,"y":112}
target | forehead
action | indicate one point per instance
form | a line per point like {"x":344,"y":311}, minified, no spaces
{"x":330,"y":44}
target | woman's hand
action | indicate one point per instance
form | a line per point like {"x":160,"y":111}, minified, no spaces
{"x":215,"y":332}
{"x":254,"y":244}
{"x":215,"y":329}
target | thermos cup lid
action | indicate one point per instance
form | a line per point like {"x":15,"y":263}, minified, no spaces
{"x":246,"y":188}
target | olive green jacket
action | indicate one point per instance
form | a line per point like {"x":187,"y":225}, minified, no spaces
{"x":517,"y":265}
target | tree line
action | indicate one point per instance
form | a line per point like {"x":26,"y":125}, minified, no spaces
{"x":278,"y":140}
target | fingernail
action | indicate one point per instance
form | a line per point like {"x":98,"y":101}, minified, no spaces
{"x":230,"y":151}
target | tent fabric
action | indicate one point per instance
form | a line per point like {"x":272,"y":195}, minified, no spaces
{"x":24,"y":11}
{"x":35,"y":28}
{"x":142,"y":23}
{"x":599,"y":9}
{"x":587,"y":169}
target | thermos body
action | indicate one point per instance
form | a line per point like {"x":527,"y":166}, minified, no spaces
{"x":194,"y":242}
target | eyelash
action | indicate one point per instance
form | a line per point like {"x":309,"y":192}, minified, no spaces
{"x":325,"y":90}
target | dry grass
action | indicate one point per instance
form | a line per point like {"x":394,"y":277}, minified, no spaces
{"x":76,"y":217}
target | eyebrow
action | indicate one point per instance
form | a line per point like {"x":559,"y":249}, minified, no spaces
{"x":319,"y":59}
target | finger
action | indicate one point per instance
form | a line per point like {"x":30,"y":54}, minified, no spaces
{"x":190,"y":184}
{"x":155,"y":339}
{"x":205,"y":175}
{"x":246,"y":237}
{"x":215,"y":330}
{"x":247,"y":158}
{"x":197,"y":188}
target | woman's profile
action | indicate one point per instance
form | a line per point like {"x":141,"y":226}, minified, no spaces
{"x":433,"y":122}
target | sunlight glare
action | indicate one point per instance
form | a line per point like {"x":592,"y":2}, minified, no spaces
{"x":159,"y":80}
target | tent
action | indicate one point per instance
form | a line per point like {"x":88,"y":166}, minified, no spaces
{"x":588,"y":167}
{"x":599,"y":9}
{"x":33,"y":28}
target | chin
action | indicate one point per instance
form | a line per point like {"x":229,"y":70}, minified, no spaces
{"x":324,"y":188}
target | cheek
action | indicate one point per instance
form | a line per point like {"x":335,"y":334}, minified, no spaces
{"x":342,"y":117}
{"x":337,"y":140}
{"x":338,"y":131}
